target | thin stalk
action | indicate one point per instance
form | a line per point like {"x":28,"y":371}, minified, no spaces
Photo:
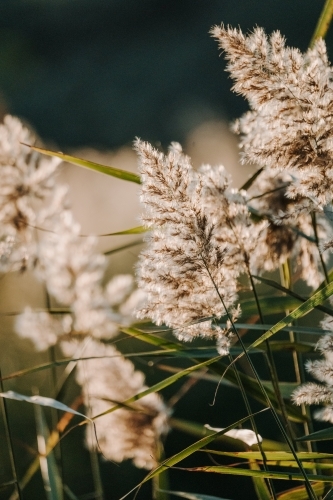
{"x":98,"y":486}
{"x":272,"y":367}
{"x":323,"y":23}
{"x":285,"y":275}
{"x":312,"y":494}
{"x":254,"y":427}
{"x":55,"y":414}
{"x":9,"y":440}
{"x":314,"y":225}
{"x":269,"y":357}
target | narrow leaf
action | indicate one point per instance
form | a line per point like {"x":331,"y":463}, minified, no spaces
{"x":198,"y":430}
{"x":273,"y":284}
{"x":262,"y":473}
{"x":251,"y":180}
{"x":193,"y":496}
{"x":302,"y":310}
{"x":158,"y":387}
{"x":123,"y":247}
{"x":195,"y":447}
{"x":249,"y":383}
{"x":42,"y":401}
{"x":133,"y":230}
{"x":48,"y":466}
{"x":104,"y":169}
{"x":301,"y":493}
{"x":259,"y":483}
{"x":318,"y":436}
{"x":276,"y":456}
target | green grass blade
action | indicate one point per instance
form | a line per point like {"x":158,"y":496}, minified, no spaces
{"x":259,"y":484}
{"x":198,"y":430}
{"x":308,"y":306}
{"x":292,"y":476}
{"x":157,"y":387}
{"x":104,"y":169}
{"x":318,"y":436}
{"x":123,"y":247}
{"x":51,"y":478}
{"x":269,"y":305}
{"x":193,"y":496}
{"x":251,"y":180}
{"x":133,"y":230}
{"x":272,"y":456}
{"x":41,"y":401}
{"x":273,"y":284}
{"x":324,"y":22}
{"x":301,"y":493}
{"x":220,"y":368}
{"x":175,"y":459}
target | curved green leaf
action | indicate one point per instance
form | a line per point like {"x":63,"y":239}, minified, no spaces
{"x":292,"y":476}
{"x":308,"y":306}
{"x":195,"y":447}
{"x":318,"y":436}
{"x":275,"y":456}
{"x":273,"y":284}
{"x":48,"y":467}
{"x":192,"y":496}
{"x":41,"y":401}
{"x":301,"y":493}
{"x":158,"y":387}
{"x":133,"y":230}
{"x":104,"y":169}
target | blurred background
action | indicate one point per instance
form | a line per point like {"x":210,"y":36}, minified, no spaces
{"x":89,"y":76}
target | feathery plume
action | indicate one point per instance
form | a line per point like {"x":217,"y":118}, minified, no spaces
{"x":287,"y":235}
{"x":27,"y":182}
{"x":182,"y":270}
{"x":313,"y":393}
{"x":127,"y":433}
{"x":290,"y":123}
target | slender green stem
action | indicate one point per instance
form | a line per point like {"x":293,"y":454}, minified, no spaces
{"x":315,"y":230}
{"x":254,"y":427}
{"x":312,"y":494}
{"x":323,"y":23}
{"x":285,"y":273}
{"x":272,"y":367}
{"x":9,"y":440}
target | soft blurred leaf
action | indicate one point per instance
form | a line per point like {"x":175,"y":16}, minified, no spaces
{"x":287,"y":476}
{"x":301,"y":493}
{"x":193,"y":496}
{"x":275,"y":456}
{"x":133,"y":230}
{"x":41,"y":401}
{"x":51,"y":478}
{"x":251,"y":180}
{"x":104,"y":169}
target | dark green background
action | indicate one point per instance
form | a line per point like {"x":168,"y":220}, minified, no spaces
{"x":99,"y":73}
